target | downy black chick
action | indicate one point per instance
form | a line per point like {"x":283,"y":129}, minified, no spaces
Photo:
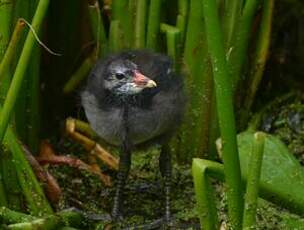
{"x":133,"y":98}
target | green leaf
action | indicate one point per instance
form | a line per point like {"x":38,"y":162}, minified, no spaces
{"x":282,"y":176}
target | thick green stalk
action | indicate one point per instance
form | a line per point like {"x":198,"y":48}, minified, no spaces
{"x":115,"y":37}
{"x":5,"y":36}
{"x":225,"y":113}
{"x":51,"y":222}
{"x":80,"y":74}
{"x":10,"y":180}
{"x":12,"y":188}
{"x":237,"y":52}
{"x":32,"y":191}
{"x":253,"y":179}
{"x":98,"y":29}
{"x":232,"y":14}
{"x":124,"y":17}
{"x":194,"y":134}
{"x":22,"y":9}
{"x":260,"y":58}
{"x":5,"y":28}
{"x":173,"y":38}
{"x":181,"y":22}
{"x":153,"y":24}
{"x":9,"y":55}
{"x":140,"y":24}
{"x":10,"y":217}
{"x":204,"y":196}
{"x":21,"y":68}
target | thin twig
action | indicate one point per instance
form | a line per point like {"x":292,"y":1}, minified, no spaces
{"x":38,"y":40}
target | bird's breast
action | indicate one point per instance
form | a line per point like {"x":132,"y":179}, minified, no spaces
{"x":142,"y":124}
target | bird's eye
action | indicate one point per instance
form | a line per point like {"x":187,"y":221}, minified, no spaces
{"x":119,"y":76}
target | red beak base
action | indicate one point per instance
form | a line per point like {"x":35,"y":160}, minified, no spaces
{"x":142,"y":81}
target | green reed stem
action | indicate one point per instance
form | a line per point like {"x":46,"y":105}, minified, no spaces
{"x":115,"y":37}
{"x":253,"y":179}
{"x":173,"y":38}
{"x":98,"y":29}
{"x":21,"y":68}
{"x":225,"y":113}
{"x":124,"y":17}
{"x":36,"y":200}
{"x":9,"y":55}
{"x":80,"y":74}
{"x":204,"y":196}
{"x":232,"y":14}
{"x":153,"y":24}
{"x":10,"y":217}
{"x":238,"y":51}
{"x":51,"y":222}
{"x":140,"y":24}
{"x":5,"y":28}
{"x":10,"y":181}
{"x":181,"y":22}
{"x":199,"y":85}
{"x":260,"y":58}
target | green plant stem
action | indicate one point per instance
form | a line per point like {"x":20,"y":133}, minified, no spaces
{"x":173,"y":37}
{"x":195,"y":130}
{"x":253,"y":179}
{"x":204,"y":196}
{"x":181,"y":22}
{"x":10,"y":217}
{"x":225,"y":113}
{"x":115,"y":37}
{"x":51,"y":222}
{"x":98,"y":29}
{"x":21,"y":111}
{"x":124,"y":18}
{"x":140,"y":24}
{"x":10,"y":181}
{"x":232,"y":14}
{"x":237,"y":52}
{"x":21,"y":68}
{"x":8,"y":57}
{"x":8,"y":175}
{"x":260,"y":58}
{"x":5,"y":29}
{"x":80,"y":74}
{"x":153,"y":24}
{"x":36,"y":200}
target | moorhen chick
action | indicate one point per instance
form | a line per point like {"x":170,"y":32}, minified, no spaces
{"x":133,"y":98}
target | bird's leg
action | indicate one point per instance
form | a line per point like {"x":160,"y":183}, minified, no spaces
{"x":123,"y":171}
{"x":166,"y":171}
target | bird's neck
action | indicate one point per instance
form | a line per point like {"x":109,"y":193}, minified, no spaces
{"x":142,"y":99}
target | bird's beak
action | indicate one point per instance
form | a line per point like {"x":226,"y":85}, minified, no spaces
{"x":142,"y":81}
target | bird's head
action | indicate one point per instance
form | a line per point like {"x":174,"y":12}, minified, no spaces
{"x":123,"y":78}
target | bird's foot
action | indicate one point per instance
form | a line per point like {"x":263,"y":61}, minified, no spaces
{"x":116,"y":214}
{"x":168,"y":222}
{"x":117,"y":218}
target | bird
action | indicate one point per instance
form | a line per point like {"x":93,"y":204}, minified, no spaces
{"x":134,"y":98}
